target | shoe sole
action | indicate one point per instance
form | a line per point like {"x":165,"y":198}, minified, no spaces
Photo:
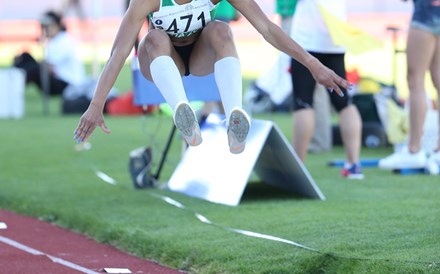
{"x":239,"y":126}
{"x":186,"y":122}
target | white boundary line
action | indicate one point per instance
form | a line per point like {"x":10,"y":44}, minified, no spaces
{"x":37,"y":252}
{"x":205,"y":220}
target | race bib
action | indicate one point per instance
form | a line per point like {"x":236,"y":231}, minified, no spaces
{"x":182,"y":20}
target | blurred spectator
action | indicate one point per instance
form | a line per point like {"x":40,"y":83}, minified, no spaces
{"x":273,"y":89}
{"x":61,"y":67}
{"x":311,"y":32}
{"x":75,"y":5}
{"x":64,"y":65}
{"x":423,"y":54}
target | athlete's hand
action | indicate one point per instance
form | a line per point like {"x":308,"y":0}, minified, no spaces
{"x":91,"y":119}
{"x":328,"y":78}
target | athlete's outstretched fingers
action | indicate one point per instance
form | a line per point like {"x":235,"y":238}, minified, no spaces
{"x":86,"y":128}
{"x":105,"y":128}
{"x":344,"y":83}
{"x":78,"y":131}
{"x":341,"y":82}
{"x":338,"y":91}
{"x":87,"y":132}
{"x":78,"y":135}
{"x":82,"y":131}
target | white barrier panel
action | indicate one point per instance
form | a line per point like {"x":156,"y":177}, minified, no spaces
{"x":210,"y":172}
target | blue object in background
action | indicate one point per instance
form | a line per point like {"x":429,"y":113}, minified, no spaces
{"x":363,"y":162}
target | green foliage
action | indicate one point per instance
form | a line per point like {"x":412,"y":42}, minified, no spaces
{"x":383,"y":224}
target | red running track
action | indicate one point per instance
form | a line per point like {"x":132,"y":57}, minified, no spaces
{"x":31,"y":246}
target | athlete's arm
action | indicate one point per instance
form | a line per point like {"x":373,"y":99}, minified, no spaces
{"x":273,"y":34}
{"x":125,"y":39}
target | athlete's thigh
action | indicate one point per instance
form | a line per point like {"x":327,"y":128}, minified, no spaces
{"x":148,"y":51}
{"x":203,"y":55}
{"x":435,"y":65}
{"x":419,"y":51}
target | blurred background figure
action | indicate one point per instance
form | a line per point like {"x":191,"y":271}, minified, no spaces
{"x":311,"y":32}
{"x":226,"y":12}
{"x":286,"y":9}
{"x":423,"y":55}
{"x":75,"y":6}
{"x":82,"y":27}
{"x":272,"y":90}
{"x":63,"y":63}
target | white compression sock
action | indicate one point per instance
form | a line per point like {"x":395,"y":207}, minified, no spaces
{"x":227,"y":72}
{"x":168,"y":80}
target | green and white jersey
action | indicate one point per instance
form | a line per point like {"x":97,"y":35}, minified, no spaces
{"x":182,"y":20}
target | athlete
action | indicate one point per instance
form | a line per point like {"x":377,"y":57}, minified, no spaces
{"x":423,"y":55}
{"x":183,"y":39}
{"x":316,"y":39}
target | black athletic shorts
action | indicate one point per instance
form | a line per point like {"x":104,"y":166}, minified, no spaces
{"x":185,"y":54}
{"x":304,"y":83}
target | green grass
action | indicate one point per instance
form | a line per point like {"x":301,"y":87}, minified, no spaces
{"x":383,"y":224}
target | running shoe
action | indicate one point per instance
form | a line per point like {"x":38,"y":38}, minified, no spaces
{"x":435,"y":157}
{"x":404,"y":159}
{"x":352,"y":172}
{"x":238,"y":129}
{"x":186,"y":122}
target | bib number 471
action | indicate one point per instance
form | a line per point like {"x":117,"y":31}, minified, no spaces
{"x":189,"y":21}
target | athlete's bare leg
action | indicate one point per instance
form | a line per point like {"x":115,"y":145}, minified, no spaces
{"x":435,"y":76}
{"x":420,"y":50}
{"x":215,"y":43}
{"x":350,"y":124}
{"x":157,"y":43}
{"x":303,"y":125}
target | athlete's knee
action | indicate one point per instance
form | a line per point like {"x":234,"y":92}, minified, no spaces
{"x":416,"y":84}
{"x":415,"y":77}
{"x":219,"y":32}
{"x":155,"y":39}
{"x":352,"y":113}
